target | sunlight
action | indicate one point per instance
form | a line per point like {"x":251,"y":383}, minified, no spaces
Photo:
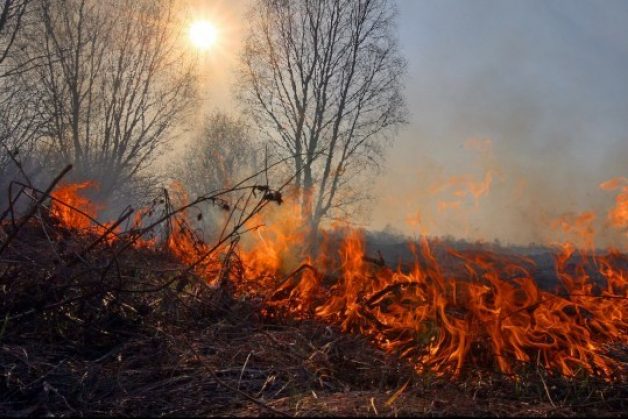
{"x":203,"y":34}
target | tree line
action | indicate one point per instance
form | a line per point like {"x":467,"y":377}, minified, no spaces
{"x":108,"y":86}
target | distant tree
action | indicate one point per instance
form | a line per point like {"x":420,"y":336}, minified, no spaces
{"x":114,"y":79}
{"x":12,"y":14}
{"x":323,"y":79}
{"x":15,"y":119}
{"x":18,"y":128}
{"x":219,"y":156}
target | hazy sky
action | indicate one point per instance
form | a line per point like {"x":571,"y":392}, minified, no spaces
{"x":518,"y":111}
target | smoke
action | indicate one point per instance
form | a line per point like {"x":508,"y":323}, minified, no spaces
{"x":518,"y":115}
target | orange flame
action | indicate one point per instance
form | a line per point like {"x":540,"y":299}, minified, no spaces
{"x":579,"y":226}
{"x":70,"y":194}
{"x":464,"y":186}
{"x":476,"y":308}
{"x":618,"y":216}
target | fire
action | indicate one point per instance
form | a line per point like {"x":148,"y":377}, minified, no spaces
{"x":273,"y":244}
{"x":478,"y":308}
{"x":465,"y":186}
{"x":579,"y":226}
{"x":71,"y":196}
{"x":618,"y":216}
{"x":440,"y":321}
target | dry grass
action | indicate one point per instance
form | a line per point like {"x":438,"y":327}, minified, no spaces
{"x":136,"y":334}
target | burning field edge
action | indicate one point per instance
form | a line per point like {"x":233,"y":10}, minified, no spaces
{"x":92,"y":326}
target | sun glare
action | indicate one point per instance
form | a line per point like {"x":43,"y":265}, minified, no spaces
{"x":203,"y":34}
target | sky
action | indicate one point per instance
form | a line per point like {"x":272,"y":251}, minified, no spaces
{"x":518,"y":111}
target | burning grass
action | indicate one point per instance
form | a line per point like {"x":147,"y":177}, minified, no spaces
{"x":102,"y":320}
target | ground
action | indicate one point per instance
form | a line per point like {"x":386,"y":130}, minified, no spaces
{"x":135,"y":333}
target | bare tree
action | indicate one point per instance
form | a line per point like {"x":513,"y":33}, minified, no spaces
{"x":219,"y":156}
{"x":323,"y":79}
{"x":11,"y":16}
{"x":115,"y":79}
{"x":17,"y":125}
{"x":16,"y":117}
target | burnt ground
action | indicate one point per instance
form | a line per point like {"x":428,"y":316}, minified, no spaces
{"x":102,"y":332}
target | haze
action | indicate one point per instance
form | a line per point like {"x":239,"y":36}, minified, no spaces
{"x":526,"y":98}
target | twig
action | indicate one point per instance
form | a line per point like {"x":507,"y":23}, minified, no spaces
{"x":104,"y":235}
{"x":370,"y":302}
{"x":281,"y":286}
{"x":18,"y":164}
{"x":232,"y":388}
{"x":244,"y":368}
{"x":73,"y":208}
{"x":12,"y":202}
{"x":546,"y":389}
{"x":379,"y":261}
{"x":34,"y":207}
{"x":45,"y":230}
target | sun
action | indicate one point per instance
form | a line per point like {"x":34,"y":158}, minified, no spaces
{"x":203,"y":34}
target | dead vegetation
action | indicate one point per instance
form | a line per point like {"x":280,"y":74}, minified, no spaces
{"x":91,"y":327}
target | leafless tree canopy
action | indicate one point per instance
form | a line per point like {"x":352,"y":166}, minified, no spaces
{"x":16,"y":117}
{"x":12,"y":13}
{"x":323,"y":79}
{"x":219,"y":156}
{"x":114,"y":79}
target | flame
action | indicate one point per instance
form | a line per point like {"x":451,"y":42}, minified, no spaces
{"x":273,"y":245}
{"x":463,"y":186}
{"x":414,"y":220}
{"x":579,"y":226}
{"x":70,"y":195}
{"x":618,"y":216}
{"x":445,"y":205}
{"x":436,"y":319}
{"x":442,"y":313}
